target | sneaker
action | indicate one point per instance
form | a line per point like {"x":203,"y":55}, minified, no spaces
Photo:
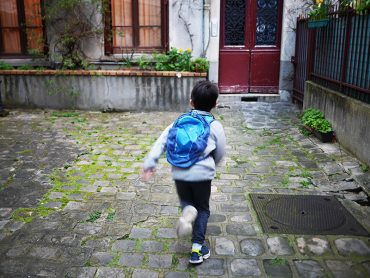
{"x":197,"y":256}
{"x":185,"y":223}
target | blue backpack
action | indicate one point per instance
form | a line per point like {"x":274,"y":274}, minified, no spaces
{"x":187,"y":139}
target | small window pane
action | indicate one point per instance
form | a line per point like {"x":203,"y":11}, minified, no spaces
{"x":150,"y":37}
{"x":122,"y":37}
{"x":9,"y":27}
{"x":266,"y":26}
{"x":149,"y":23}
{"x":234,"y":22}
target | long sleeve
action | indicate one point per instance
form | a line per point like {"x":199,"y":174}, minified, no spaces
{"x":158,"y":148}
{"x":220,"y":139}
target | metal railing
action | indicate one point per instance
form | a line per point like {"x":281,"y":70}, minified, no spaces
{"x":336,"y":56}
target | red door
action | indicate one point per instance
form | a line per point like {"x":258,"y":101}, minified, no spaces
{"x":250,"y":46}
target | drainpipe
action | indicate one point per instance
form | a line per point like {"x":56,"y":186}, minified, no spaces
{"x":206,"y":7}
{"x":3,"y":112}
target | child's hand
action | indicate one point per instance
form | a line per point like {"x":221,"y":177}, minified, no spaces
{"x":146,"y":174}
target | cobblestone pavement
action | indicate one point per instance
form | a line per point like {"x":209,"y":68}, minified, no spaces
{"x":72,"y":203}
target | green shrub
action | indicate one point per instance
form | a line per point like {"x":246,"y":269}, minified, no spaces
{"x":173,"y":60}
{"x":200,"y":65}
{"x":144,"y":62}
{"x":314,"y":118}
{"x":5,"y":66}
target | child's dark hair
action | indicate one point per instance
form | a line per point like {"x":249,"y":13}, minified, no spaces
{"x":204,"y":95}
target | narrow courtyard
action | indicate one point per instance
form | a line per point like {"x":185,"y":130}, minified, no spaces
{"x":72,"y":203}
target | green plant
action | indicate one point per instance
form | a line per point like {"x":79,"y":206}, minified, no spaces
{"x":26,"y":67}
{"x":94,"y":216}
{"x":173,"y":60}
{"x":363,"y":6}
{"x":199,"y":65}
{"x":5,"y":66}
{"x":319,"y":10}
{"x":144,"y":62}
{"x":314,"y":119}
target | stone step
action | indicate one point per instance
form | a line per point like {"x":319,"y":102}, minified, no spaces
{"x":224,"y":98}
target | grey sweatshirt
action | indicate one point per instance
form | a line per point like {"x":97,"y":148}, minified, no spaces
{"x":200,"y":171}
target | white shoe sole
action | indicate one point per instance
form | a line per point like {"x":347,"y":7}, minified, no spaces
{"x":201,"y":259}
{"x":185,"y":223}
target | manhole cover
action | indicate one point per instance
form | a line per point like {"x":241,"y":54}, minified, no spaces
{"x":302,"y":214}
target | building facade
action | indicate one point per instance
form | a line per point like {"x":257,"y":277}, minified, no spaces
{"x":249,"y":43}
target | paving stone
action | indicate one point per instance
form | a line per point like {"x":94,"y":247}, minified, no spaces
{"x":76,"y":197}
{"x":73,"y":206}
{"x":49,"y":253}
{"x":160,"y":261}
{"x":176,"y":275}
{"x":140,"y":233}
{"x":166,"y":233}
{"x":56,"y":195}
{"x":309,"y":268}
{"x":219,"y":197}
{"x":152,"y":246}
{"x":169,"y":210}
{"x":180,"y":247}
{"x":343,"y":269}
{"x":126,"y":195}
{"x":224,"y":246}
{"x":183,"y":263}
{"x":213,"y":230}
{"x":252,"y":247}
{"x":124,"y":245}
{"x":234,"y":208}
{"x":54,"y":205}
{"x":15,"y":225}
{"x":104,"y":272}
{"x":143,"y":273}
{"x":210,"y":267}
{"x":352,"y":246}
{"x":134,"y":259}
{"x":229,"y":177}
{"x":241,"y":218}
{"x":3,"y":223}
{"x":102,"y":258}
{"x":245,"y":267}
{"x":274,"y":269}
{"x":215,"y":218}
{"x":88,"y":228}
{"x":109,"y":190}
{"x":316,"y":246}
{"x":240,"y":229}
{"x":18,"y":250}
{"x":81,"y":272}
{"x":279,"y":246}
{"x":89,"y":188}
{"x":68,"y":188}
{"x":5,"y":212}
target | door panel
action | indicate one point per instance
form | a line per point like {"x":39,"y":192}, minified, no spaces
{"x":264,"y":74}
{"x":250,"y":46}
{"x":234,"y":73}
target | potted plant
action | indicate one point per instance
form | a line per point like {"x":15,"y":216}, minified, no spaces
{"x":318,"y":16}
{"x":314,"y":121}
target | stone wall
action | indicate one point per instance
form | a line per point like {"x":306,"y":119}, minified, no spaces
{"x":98,"y":90}
{"x":349,"y":117}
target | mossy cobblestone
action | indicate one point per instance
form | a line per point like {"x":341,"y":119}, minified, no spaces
{"x":73,"y":204}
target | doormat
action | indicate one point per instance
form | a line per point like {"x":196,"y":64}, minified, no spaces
{"x":303,"y":214}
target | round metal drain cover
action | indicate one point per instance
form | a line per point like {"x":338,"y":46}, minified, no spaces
{"x":306,"y":213}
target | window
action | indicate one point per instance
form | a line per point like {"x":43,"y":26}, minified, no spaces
{"x":21,"y":29}
{"x":136,"y":24}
